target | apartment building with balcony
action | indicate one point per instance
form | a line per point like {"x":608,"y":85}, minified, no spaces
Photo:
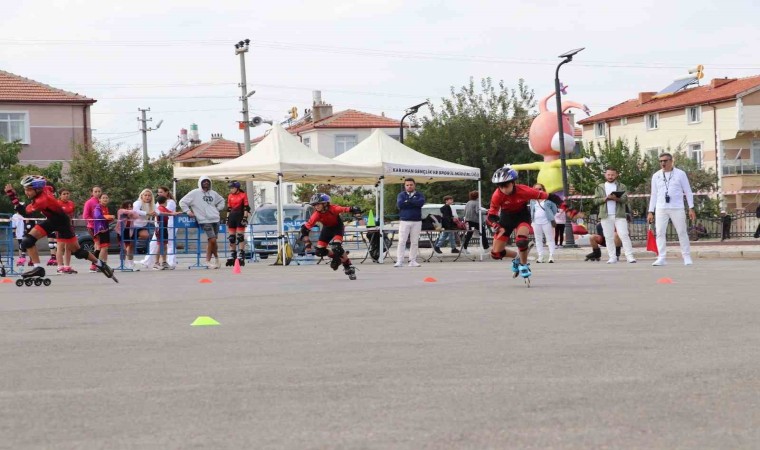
{"x":717,"y":125}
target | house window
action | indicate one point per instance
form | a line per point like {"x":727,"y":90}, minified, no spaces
{"x":694,"y":114}
{"x":755,"y":151}
{"x":623,"y":121}
{"x":600,"y":129}
{"x":652,"y":121}
{"x":307,"y":141}
{"x":344,"y":143}
{"x":14,"y":126}
{"x":695,"y":153}
{"x":654,"y":152}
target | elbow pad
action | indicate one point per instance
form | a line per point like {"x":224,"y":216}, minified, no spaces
{"x":304,"y":231}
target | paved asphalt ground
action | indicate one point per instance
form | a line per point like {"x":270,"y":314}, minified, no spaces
{"x":591,"y":356}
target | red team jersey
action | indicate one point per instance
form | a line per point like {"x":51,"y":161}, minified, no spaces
{"x":46,"y":204}
{"x":329,"y":218}
{"x":236,"y":202}
{"x":68,"y":207}
{"x":514,"y":202}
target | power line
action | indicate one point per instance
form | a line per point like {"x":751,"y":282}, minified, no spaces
{"x":308,"y":47}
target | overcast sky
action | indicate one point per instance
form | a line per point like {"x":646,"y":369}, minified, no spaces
{"x":177,"y":57}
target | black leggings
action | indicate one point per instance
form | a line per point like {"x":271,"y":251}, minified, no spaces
{"x":472,"y":226}
{"x":559,"y":234}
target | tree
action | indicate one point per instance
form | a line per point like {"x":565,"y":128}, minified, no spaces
{"x":339,"y":195}
{"x":483,"y":128}
{"x":11,"y":171}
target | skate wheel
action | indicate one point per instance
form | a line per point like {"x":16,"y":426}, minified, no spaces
{"x":38,"y":282}
{"x":46,"y":281}
{"x":28,"y":282}
{"x":19,"y":282}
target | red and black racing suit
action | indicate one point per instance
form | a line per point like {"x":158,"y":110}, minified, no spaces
{"x":56,"y":219}
{"x":511,"y":211}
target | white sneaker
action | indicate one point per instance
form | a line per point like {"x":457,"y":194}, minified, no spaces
{"x":414,"y":264}
{"x":465,"y":251}
{"x":659,"y":262}
{"x":551,"y":259}
{"x":211,"y":265}
{"x":216,"y":263}
{"x":540,"y":259}
{"x":687,"y":261}
{"x":399,"y":264}
{"x":612,"y":260}
{"x":631,"y":260}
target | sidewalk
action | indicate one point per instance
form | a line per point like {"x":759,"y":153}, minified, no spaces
{"x":745,"y":249}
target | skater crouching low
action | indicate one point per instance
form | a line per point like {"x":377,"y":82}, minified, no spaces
{"x":332,"y":230}
{"x":42,"y":200}
{"x":508,"y":212}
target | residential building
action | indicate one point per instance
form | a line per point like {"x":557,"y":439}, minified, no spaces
{"x":717,"y":125}
{"x":48,"y":122}
{"x":215,"y":151}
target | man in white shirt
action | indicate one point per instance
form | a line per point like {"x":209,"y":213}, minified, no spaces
{"x":669,"y":185}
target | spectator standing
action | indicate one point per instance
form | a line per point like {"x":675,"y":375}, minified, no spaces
{"x":669,"y":186}
{"x":611,"y":198}
{"x":164,"y":214}
{"x":87,"y":215}
{"x":205,"y":204}
{"x":472,"y":217}
{"x":409,"y":203}
{"x":64,"y":250}
{"x":171,"y":257}
{"x":542,"y":213}
{"x":725,"y":221}
{"x":447,"y":222}
{"x":560,"y":219}
{"x":102,"y":217}
{"x":126,"y":215}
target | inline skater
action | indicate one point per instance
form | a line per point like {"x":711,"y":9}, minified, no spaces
{"x":509,"y":212}
{"x":41,"y":199}
{"x":238,"y":211}
{"x":332,"y":230}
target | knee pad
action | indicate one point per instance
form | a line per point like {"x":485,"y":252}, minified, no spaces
{"x":522,"y":242}
{"x":499,"y":255}
{"x":231,"y":239}
{"x":81,"y":254}
{"x":28,"y":241}
{"x":338,"y":251}
{"x":240,"y":238}
{"x":321,"y":252}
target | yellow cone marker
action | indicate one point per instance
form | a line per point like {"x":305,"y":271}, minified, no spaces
{"x":204,"y":321}
{"x":371,"y":219}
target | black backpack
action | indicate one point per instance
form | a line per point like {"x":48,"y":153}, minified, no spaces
{"x":374,"y":244}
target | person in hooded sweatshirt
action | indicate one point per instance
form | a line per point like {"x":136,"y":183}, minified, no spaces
{"x":205,"y":204}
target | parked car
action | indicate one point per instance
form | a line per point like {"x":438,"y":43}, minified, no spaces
{"x":263,"y":223}
{"x":457,"y":209}
{"x":87,"y":243}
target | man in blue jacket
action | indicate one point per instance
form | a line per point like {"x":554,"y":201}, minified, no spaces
{"x":409,"y":203}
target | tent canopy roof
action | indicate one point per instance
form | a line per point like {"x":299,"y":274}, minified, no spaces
{"x":282,"y":153}
{"x":395,"y":161}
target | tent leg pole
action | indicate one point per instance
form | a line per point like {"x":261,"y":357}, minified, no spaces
{"x":381,"y":213}
{"x":480,"y":221}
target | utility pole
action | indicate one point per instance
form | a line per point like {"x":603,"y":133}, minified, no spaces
{"x":241,"y":48}
{"x":144,"y":130}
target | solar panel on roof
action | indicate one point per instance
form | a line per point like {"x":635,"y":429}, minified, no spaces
{"x":677,"y":85}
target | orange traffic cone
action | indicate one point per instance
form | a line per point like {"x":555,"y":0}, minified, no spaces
{"x":236,"y":267}
{"x":430,"y":280}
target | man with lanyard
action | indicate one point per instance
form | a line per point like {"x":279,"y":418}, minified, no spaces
{"x":669,"y":185}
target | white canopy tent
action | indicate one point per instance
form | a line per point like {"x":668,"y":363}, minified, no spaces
{"x":281,"y":157}
{"x":392,"y":162}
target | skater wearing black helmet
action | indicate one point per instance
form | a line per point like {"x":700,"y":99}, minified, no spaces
{"x":508,"y":212}
{"x":332,"y":230}
{"x":238,"y":211}
{"x":41,"y":199}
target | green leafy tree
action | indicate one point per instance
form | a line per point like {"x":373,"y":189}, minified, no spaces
{"x":339,"y":195}
{"x":484,"y":127}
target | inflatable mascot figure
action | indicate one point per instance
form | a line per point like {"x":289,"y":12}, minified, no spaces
{"x":543,"y":139}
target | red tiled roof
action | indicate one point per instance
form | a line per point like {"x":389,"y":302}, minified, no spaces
{"x":213,"y":149}
{"x":690,"y":97}
{"x":14,"y":88}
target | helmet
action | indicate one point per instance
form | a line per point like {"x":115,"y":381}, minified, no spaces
{"x":234,"y":184}
{"x":33,"y":181}
{"x":319,"y":198}
{"x":504,"y":175}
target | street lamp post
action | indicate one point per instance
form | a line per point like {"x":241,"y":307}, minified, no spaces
{"x":241,"y":48}
{"x":411,"y":110}
{"x":568,"y":56}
